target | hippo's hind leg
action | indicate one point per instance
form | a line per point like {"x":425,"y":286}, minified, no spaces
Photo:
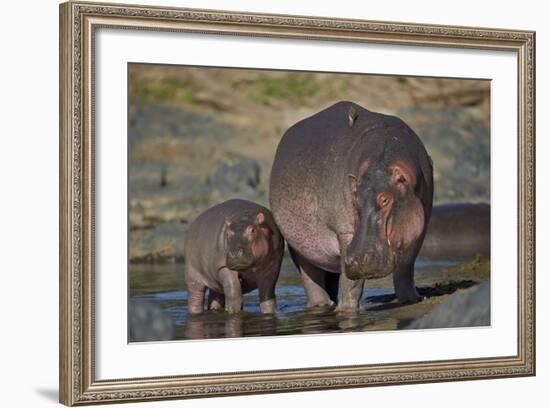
{"x":195,"y":297}
{"x":216,"y":300}
{"x":195,"y":290}
{"x":332,"y":284}
{"x":315,"y":281}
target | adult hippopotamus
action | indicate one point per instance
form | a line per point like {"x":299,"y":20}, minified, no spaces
{"x":231,"y":249}
{"x":352,"y":191}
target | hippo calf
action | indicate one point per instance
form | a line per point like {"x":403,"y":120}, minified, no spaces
{"x":352,"y":191}
{"x":231,"y":249}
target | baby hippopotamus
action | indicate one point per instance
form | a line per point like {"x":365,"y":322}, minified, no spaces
{"x":231,"y":249}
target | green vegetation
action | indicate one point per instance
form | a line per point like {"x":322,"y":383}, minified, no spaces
{"x":479,"y":268}
{"x":165,"y":91}
{"x":293,"y":88}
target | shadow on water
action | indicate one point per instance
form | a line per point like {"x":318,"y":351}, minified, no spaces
{"x":379,"y":309}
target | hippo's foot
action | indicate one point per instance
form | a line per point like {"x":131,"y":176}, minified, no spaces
{"x":346,"y":308}
{"x":216,"y":300}
{"x":409,"y":298}
{"x":215,"y":305}
{"x":268,"y":306}
{"x":318,"y":303}
{"x":405,"y":289}
{"x":233,"y":304}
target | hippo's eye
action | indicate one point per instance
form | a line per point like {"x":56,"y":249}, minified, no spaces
{"x":383,"y":200}
{"x":250,"y":232}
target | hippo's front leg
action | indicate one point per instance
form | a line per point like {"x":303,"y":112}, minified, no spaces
{"x":266,"y":288}
{"x":232,"y":290}
{"x":403,"y":283}
{"x":350,"y":293}
{"x":269,"y":305}
{"x":350,"y":290}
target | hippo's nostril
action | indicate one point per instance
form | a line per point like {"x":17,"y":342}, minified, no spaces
{"x":352,"y":262}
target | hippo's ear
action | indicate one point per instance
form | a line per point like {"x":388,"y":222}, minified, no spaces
{"x":227,"y":222}
{"x":401,"y":173}
{"x":260,"y":218}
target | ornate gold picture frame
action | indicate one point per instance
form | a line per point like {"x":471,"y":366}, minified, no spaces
{"x":79,"y":23}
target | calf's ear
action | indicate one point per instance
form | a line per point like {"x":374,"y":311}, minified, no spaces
{"x":260,"y":218}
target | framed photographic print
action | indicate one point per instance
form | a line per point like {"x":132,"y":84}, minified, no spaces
{"x":258,"y":203}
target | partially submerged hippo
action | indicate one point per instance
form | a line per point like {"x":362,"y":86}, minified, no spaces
{"x":458,"y":231}
{"x":351,"y":191}
{"x":231,"y":249}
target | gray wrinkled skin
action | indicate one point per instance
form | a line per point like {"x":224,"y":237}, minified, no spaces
{"x":219,"y":257}
{"x":352,"y":194}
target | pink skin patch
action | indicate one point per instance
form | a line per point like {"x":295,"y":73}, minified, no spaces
{"x":400,"y":226}
{"x":407,"y":225}
{"x":403,"y":231}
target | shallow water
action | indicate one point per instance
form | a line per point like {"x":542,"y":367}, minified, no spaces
{"x":152,"y":292}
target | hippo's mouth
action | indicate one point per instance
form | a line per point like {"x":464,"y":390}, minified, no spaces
{"x":238,"y":265}
{"x":371,"y":266}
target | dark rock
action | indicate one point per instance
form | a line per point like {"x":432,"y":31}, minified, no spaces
{"x":459,"y":144}
{"x":151,"y":119}
{"x":235,"y":174}
{"x":163,"y":243}
{"x":465,"y":308}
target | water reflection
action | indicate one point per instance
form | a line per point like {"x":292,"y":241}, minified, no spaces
{"x":163,"y":315}
{"x":147,"y":321}
{"x":220,"y":324}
